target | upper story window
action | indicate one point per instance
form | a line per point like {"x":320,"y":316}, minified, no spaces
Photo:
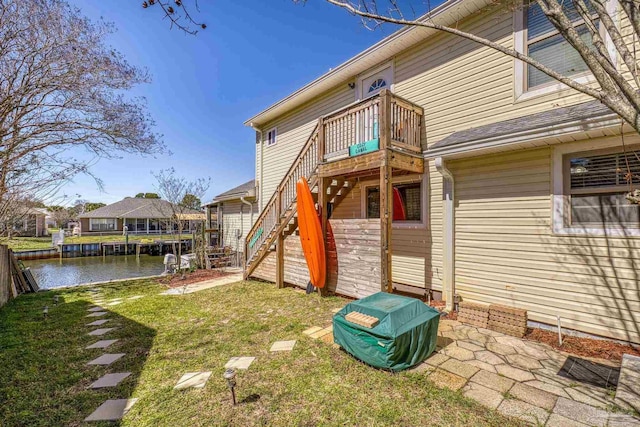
{"x":597,"y":185}
{"x":546,"y":45}
{"x":377,"y":85}
{"x":271,"y":137}
{"x":407,"y":202}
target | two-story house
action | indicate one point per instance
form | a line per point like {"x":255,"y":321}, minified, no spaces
{"x":446,"y":168}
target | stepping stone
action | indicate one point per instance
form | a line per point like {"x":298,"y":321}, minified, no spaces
{"x":629,"y":382}
{"x":534,"y":396}
{"x":444,"y":379}
{"x":115,"y":299}
{"x":106,"y":359}
{"x":335,"y":310}
{"x":437,"y":359}
{"x":115,"y":303}
{"x":112,"y":410}
{"x":492,"y":381}
{"x":483,"y":395}
{"x":312,"y":330}
{"x":459,"y":368}
{"x":101,"y":331}
{"x":283,"y":345}
{"x":136,"y":297}
{"x":101,"y":344}
{"x":98,"y":322}
{"x":524,"y":411}
{"x":193,"y":379}
{"x":94,"y":309}
{"x":97,"y":314}
{"x":514,"y":373}
{"x":322,"y":332}
{"x":239,"y":362}
{"x":110,"y":380}
{"x":524,"y":362}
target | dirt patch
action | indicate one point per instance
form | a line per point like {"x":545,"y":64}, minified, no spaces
{"x":176,"y":280}
{"x":585,"y":347}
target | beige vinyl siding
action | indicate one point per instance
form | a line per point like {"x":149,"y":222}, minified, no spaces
{"x":507,"y":253}
{"x":293,"y":130}
{"x":233,"y":220}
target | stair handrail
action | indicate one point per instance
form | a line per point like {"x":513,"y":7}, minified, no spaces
{"x":308,"y":144}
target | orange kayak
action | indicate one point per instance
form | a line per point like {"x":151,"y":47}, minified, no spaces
{"x":311,"y":235}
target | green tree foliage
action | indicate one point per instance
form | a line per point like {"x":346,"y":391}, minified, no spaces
{"x":191,"y":201}
{"x":147,"y":196}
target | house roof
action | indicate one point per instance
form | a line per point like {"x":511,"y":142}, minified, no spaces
{"x":575,"y":118}
{"x":243,"y":190}
{"x":448,"y":13}
{"x":132,"y":207}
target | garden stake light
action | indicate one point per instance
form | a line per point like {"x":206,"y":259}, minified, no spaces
{"x":230,"y":376}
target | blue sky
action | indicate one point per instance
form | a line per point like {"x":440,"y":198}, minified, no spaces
{"x":204,"y":87}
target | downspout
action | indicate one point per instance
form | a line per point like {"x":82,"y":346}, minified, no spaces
{"x":259,"y":178}
{"x":243,"y":200}
{"x":448,"y":232}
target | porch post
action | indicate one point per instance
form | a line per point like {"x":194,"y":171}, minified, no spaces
{"x":279,"y":245}
{"x":322,"y":206}
{"x":386,"y":193}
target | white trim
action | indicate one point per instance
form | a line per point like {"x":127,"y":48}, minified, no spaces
{"x":273,"y":130}
{"x":521,"y":92}
{"x":367,"y":74}
{"x":560,"y":200}
{"x":415,"y":178}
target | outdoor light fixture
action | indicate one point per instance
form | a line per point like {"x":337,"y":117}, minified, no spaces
{"x":55,"y":299}
{"x":230,"y":376}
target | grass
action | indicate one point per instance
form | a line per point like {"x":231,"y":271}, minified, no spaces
{"x":44,"y":377}
{"x":35,"y":243}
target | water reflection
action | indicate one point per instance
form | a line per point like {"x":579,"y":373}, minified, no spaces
{"x":53,"y":273}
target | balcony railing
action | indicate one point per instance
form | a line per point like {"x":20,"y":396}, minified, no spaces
{"x":359,"y":128}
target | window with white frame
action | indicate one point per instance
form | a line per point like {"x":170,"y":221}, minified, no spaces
{"x":271,"y":137}
{"x":407,"y":202}
{"x":596,"y":184}
{"x":102,"y":224}
{"x":545,"y":44}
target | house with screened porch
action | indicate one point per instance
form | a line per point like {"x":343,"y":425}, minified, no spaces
{"x":446,"y":169}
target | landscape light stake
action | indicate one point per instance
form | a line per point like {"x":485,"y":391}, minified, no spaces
{"x":230,"y":376}
{"x":56,"y":298}
{"x":45,"y":312}
{"x":559,"y":331}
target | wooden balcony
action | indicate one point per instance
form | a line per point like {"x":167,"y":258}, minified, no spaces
{"x":383,"y":129}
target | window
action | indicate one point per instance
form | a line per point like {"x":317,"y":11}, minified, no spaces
{"x":271,"y":137}
{"x":102,"y":224}
{"x":407,"y":202}
{"x":377,"y":85}
{"x":545,"y":44}
{"x":597,"y":186}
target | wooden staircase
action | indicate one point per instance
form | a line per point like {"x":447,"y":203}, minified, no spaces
{"x":381,"y":133}
{"x":279,"y":218}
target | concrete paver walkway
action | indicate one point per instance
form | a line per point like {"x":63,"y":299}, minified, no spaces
{"x":519,"y":378}
{"x":207,"y":284}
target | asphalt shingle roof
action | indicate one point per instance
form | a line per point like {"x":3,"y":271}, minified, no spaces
{"x":558,"y":116}
{"x":132,"y":207}
{"x":238,"y":191}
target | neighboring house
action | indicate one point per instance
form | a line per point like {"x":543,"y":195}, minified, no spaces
{"x":49,"y":222}
{"x":32,"y":224}
{"x":509,"y":188}
{"x":235,"y":211}
{"x":140,"y":216}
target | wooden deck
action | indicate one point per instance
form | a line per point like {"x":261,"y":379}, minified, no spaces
{"x":378,"y":136}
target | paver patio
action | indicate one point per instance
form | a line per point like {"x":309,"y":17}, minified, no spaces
{"x":521,"y":378}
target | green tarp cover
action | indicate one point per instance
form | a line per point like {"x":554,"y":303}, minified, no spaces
{"x":405,"y":336}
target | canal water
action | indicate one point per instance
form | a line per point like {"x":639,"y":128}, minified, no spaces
{"x":54,"y":273}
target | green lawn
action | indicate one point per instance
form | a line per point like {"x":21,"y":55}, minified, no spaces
{"x":44,"y":377}
{"x":33,"y":243}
